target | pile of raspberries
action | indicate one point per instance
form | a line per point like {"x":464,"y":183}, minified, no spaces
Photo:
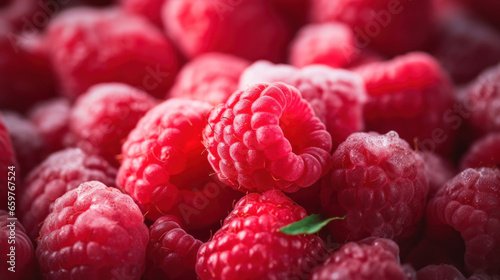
{"x":250,"y":139}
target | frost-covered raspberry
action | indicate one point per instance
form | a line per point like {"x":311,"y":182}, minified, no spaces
{"x":102,"y":118}
{"x":165,"y":168}
{"x":251,"y":29}
{"x":93,"y":232}
{"x":379,"y":183}
{"x":485,"y":152}
{"x":368,"y":259}
{"x":51,"y":118}
{"x":16,"y":264}
{"x":470,"y":204}
{"x":267,"y":137}
{"x":393,"y":27}
{"x":210,"y":77}
{"x":171,"y":252}
{"x":249,"y":245}
{"x":90,"y":46}
{"x":336,"y":96}
{"x":410,"y":94}
{"x":59,"y":173}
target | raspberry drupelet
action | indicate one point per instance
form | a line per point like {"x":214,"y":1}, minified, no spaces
{"x":267,"y":137}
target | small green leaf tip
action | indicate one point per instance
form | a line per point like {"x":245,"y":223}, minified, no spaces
{"x":308,"y":225}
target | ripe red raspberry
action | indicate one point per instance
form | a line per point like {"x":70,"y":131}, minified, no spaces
{"x":250,"y":246}
{"x":90,"y":46}
{"x":481,"y":103}
{"x":331,"y":44}
{"x":7,"y":159}
{"x":165,"y":169}
{"x":171,"y":252}
{"x":18,"y":12}
{"x":26,"y":140}
{"x":485,"y":152}
{"x":103,"y":116}
{"x":379,"y":183}
{"x":336,"y":96}
{"x":251,"y":29}
{"x":438,"y":171}
{"x":59,"y":173}
{"x":93,"y":232}
{"x":440,"y":272}
{"x":465,"y":47}
{"x":210,"y":77}
{"x":18,"y":263}
{"x":149,"y":9}
{"x":470,"y":204}
{"x":368,"y":259}
{"x":51,"y":118}
{"x":267,"y":137}
{"x":393,"y":27}
{"x":411,"y":95}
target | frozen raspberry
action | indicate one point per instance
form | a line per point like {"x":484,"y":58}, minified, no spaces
{"x":440,"y":272}
{"x":480,"y":104}
{"x":485,"y":152}
{"x":93,"y":232}
{"x":26,"y":76}
{"x":58,"y":174}
{"x":165,"y":168}
{"x":379,"y":182}
{"x":171,"y":252}
{"x":250,"y":246}
{"x":16,"y":264}
{"x":465,"y":47}
{"x":7,"y":163}
{"x":210,"y":77}
{"x":331,"y":44}
{"x":149,"y":9}
{"x":393,"y":27}
{"x":368,"y":259}
{"x":438,"y":171}
{"x":103,"y":116}
{"x":410,"y":94}
{"x":267,"y":137}
{"x":470,"y":204}
{"x":90,"y":46}
{"x":337,"y":96}
{"x":51,"y":118}
{"x":26,"y":140}
{"x":251,"y":29}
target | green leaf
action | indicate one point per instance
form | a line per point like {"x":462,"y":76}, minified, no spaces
{"x":308,"y":225}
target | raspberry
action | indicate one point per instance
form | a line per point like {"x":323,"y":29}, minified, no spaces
{"x":331,"y":44}
{"x":51,"y":118}
{"x":250,"y":29}
{"x":250,"y":246}
{"x":26,"y":140}
{"x":410,"y":94}
{"x":267,"y":137}
{"x":23,"y":255}
{"x":438,"y":171}
{"x":470,"y":204}
{"x":379,"y":183}
{"x":440,"y":272}
{"x":93,"y":232}
{"x":103,"y":116}
{"x":465,"y":47}
{"x":370,"y":258}
{"x":17,"y":12}
{"x":392,"y":27}
{"x":149,"y":9}
{"x":485,"y":152}
{"x":165,"y":170}
{"x":210,"y":77}
{"x":337,"y":96}
{"x":58,"y":174}
{"x":7,"y":162}
{"x":481,"y":104}
{"x":90,"y":46}
{"x":171,"y":252}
